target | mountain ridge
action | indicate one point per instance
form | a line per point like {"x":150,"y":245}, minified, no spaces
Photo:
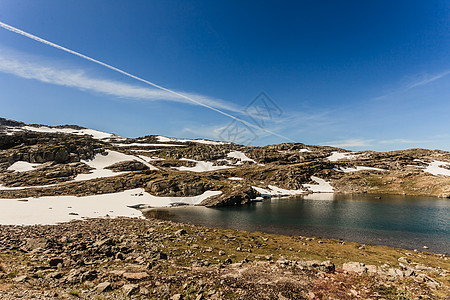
{"x":39,"y":160}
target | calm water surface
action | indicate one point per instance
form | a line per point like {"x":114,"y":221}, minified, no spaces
{"x":409,"y":222}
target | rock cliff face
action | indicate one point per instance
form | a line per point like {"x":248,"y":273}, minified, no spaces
{"x":37,"y":160}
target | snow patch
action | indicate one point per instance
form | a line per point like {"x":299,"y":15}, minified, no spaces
{"x":241,"y":156}
{"x":56,"y":209}
{"x":201,"y":166}
{"x":100,"y":162}
{"x":94,"y":133}
{"x":200,"y":141}
{"x":335,"y":156}
{"x":147,"y":145}
{"x":235,"y":178}
{"x":322,"y":186}
{"x":22,"y":166}
{"x":276,"y":191}
{"x":436,"y":169}
{"x":359,"y":168}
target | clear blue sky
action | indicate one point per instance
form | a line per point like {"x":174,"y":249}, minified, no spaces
{"x":356,"y":74}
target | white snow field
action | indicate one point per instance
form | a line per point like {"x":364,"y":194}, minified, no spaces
{"x":359,"y":168}
{"x":436,"y":169}
{"x":200,"y":141}
{"x":22,"y":166}
{"x":94,"y":133}
{"x":235,"y":178}
{"x":201,"y":166}
{"x":335,"y":156}
{"x":322,"y":186}
{"x":100,"y":162}
{"x":241,"y":156}
{"x":276,"y":191}
{"x":57,"y":209}
{"x":147,"y":145}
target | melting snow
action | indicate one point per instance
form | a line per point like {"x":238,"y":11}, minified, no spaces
{"x":360,"y":168}
{"x":276,"y":191}
{"x":201,"y":166}
{"x":56,"y":209}
{"x":200,"y":141}
{"x":94,"y":133}
{"x":100,"y":162}
{"x":241,"y":156}
{"x":235,"y":178}
{"x":335,"y":156}
{"x":435,"y":168}
{"x":147,"y":145}
{"x":22,"y":166}
{"x":321,"y":187}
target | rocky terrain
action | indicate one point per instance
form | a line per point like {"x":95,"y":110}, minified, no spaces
{"x":57,"y":158}
{"x":153,"y":259}
{"x":57,"y":167}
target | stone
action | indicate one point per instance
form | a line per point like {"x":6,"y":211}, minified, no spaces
{"x":54,"y":275}
{"x":395,"y":273}
{"x":327,"y":266}
{"x":160,"y":255}
{"x":404,"y":260}
{"x":20,"y":278}
{"x":356,"y":267}
{"x":135,"y":276}
{"x":181,"y":232}
{"x":176,"y":297}
{"x":54,"y":262}
{"x":130,"y":289}
{"x":103,"y":287}
{"x":372,"y":269}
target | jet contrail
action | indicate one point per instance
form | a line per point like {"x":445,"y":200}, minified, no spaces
{"x":38,"y":39}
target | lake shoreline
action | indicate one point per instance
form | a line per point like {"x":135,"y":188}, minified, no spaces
{"x":378,"y":219}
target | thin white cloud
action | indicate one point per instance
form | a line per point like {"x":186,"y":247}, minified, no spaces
{"x":50,"y":73}
{"x":428,"y":79}
{"x":350,"y":143}
{"x":424,"y":80}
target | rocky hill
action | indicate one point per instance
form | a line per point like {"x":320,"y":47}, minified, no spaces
{"x":38,"y":160}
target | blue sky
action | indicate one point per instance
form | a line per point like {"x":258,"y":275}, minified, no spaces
{"x":355,"y":74}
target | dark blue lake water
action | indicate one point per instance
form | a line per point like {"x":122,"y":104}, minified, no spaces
{"x":409,"y":222}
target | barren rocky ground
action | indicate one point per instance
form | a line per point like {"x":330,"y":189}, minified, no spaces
{"x":154,"y":259}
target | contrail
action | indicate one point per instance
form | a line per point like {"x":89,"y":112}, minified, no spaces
{"x":41,"y":40}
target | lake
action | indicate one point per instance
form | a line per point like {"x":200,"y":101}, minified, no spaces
{"x":408,"y":222}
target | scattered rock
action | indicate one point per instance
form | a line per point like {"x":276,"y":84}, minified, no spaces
{"x":103,"y":287}
{"x":135,"y":276}
{"x":356,"y":267}
{"x":130,"y":289}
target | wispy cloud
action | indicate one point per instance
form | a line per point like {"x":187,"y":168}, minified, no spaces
{"x":417,"y":82}
{"x":51,"y":73}
{"x":350,"y":143}
{"x":427,"y":79}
